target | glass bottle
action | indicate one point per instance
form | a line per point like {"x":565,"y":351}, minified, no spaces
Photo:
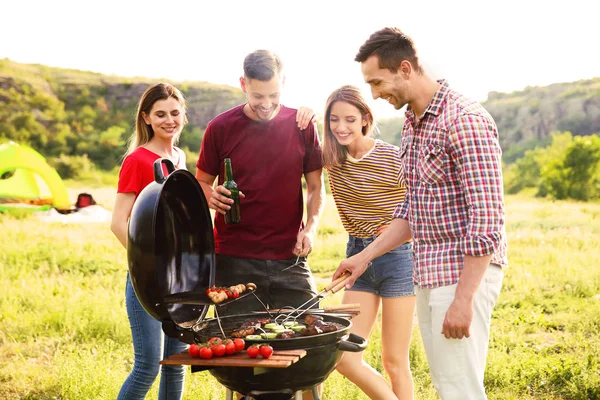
{"x":232,"y":216}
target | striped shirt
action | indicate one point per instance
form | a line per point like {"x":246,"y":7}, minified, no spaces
{"x":366,"y":191}
{"x":455,"y":200}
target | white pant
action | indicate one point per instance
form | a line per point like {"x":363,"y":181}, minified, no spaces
{"x":457,"y":365}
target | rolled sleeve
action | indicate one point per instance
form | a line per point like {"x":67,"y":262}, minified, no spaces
{"x":401,"y":210}
{"x":476,"y":152}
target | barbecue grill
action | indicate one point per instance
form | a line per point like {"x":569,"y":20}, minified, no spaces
{"x":170,"y":251}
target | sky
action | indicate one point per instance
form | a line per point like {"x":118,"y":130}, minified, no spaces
{"x":477,"y":45}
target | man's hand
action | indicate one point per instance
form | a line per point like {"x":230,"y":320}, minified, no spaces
{"x":220,"y":201}
{"x":305,"y":116}
{"x":304,"y":243}
{"x":459,"y":316}
{"x":356,"y":265}
{"x":458,"y":319}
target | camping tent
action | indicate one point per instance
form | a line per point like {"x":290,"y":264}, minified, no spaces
{"x":26,"y":178}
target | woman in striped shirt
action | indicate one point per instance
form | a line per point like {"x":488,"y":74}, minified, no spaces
{"x":366,"y":180}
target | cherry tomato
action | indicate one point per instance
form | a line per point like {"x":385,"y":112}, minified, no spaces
{"x":229,"y":294}
{"x":265,"y":350}
{"x":252,"y":351}
{"x":214,"y":340}
{"x":208,"y":291}
{"x":194,"y":350}
{"x":235,"y":293}
{"x":239,"y":344}
{"x":230,"y":348}
{"x":205,"y":352}
{"x":219,"y":350}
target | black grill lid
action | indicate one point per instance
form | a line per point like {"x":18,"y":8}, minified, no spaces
{"x":170,"y":246}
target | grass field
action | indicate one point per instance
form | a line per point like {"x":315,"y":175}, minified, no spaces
{"x":64,"y":331}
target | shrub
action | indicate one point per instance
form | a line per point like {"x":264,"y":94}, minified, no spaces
{"x":72,"y":167}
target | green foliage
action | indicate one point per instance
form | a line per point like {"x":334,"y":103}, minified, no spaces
{"x":574,"y":171}
{"x":582,"y":165}
{"x":568,"y":168}
{"x":72,"y":167}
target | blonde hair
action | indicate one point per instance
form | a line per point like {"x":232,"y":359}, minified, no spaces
{"x":143,"y":132}
{"x":335,"y":154}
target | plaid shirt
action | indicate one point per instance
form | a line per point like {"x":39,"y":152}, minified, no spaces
{"x":455,"y":201}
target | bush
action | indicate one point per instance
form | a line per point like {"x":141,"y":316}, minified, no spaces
{"x":72,"y":167}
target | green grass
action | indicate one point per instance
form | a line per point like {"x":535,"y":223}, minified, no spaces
{"x":64,"y":332}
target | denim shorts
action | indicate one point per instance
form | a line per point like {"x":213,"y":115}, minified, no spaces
{"x":390,"y":275}
{"x":279,"y":283}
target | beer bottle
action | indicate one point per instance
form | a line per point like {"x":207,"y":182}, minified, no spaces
{"x":232,"y":216}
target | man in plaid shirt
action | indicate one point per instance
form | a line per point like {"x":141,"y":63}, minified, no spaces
{"x":454,"y":208}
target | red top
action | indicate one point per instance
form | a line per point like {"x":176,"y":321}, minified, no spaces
{"x":137,"y":170}
{"x":268,"y":161}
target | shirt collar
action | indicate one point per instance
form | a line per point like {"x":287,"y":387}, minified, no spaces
{"x":435,"y":105}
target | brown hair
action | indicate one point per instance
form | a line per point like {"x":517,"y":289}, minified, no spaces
{"x":391,"y":46}
{"x":143,"y":132}
{"x":335,"y":154}
{"x":262,"y":65}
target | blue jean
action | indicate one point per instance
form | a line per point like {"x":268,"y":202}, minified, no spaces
{"x":150,"y":346}
{"x":389,"y":275}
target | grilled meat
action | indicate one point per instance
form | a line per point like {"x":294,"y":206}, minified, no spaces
{"x":249,"y":326}
{"x":243,"y":332}
{"x":286,"y":335}
{"x":310,"y":319}
{"x":311,"y":330}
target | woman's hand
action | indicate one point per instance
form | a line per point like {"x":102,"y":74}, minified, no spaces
{"x":356,"y":265}
{"x":305,"y":116}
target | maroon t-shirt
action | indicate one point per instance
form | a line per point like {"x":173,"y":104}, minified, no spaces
{"x":268,"y":161}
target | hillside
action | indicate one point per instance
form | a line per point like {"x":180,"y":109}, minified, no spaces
{"x":527,"y":118}
{"x":74,"y":113}
{"x":61,"y":111}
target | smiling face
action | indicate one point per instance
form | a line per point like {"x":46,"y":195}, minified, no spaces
{"x":346,"y":123}
{"x":166,"y":118}
{"x":263,"y":97}
{"x":394,"y":87}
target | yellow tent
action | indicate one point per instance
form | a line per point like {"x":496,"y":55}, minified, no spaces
{"x":26,"y":178}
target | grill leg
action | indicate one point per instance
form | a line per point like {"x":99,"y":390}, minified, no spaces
{"x":315,"y":393}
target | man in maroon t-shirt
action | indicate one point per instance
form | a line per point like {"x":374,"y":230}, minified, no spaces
{"x":269,"y":154}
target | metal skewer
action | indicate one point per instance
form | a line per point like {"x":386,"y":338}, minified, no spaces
{"x":331,"y":288}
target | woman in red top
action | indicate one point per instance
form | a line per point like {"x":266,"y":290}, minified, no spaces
{"x":160,"y":118}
